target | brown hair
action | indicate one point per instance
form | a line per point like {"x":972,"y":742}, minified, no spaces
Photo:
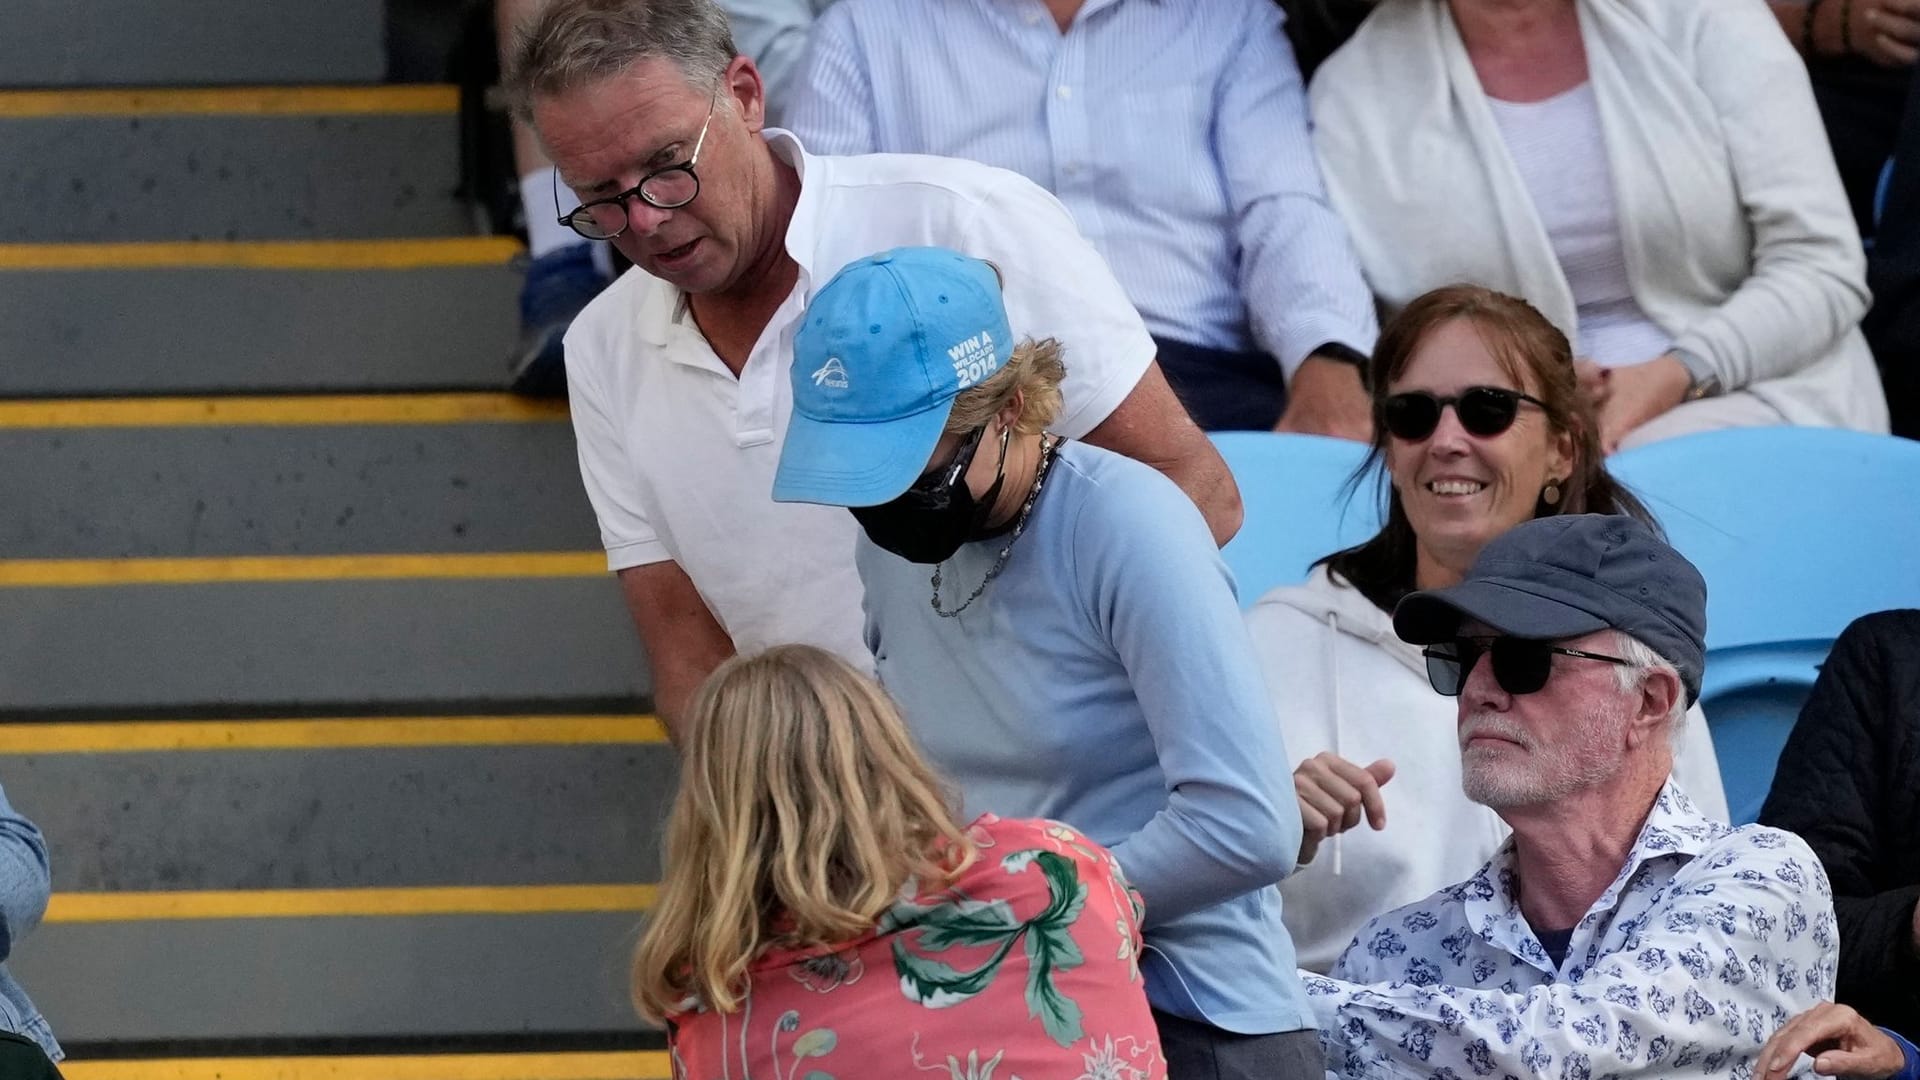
{"x":803,"y":810}
{"x":1532,"y":351}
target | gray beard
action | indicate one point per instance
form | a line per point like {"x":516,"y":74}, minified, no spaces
{"x":1547,"y":774}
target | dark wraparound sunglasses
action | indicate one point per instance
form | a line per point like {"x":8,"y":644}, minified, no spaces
{"x":934,"y":488}
{"x":1520,"y":666}
{"x":1483,"y":411}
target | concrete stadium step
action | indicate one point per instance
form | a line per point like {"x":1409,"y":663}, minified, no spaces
{"x":289,"y":476}
{"x":344,"y":803}
{"x":461,"y":632}
{"x":234,"y":164}
{"x":105,"y":319}
{"x":225,"y":881}
{"x":605,"y":1065}
{"x":357,"y":552}
{"x":101,"y":42}
{"x":328,"y":977}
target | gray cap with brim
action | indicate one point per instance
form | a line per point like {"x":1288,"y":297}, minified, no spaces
{"x":1574,"y":574}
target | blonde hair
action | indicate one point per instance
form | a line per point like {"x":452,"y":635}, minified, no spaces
{"x":1035,"y":370}
{"x":804,"y":808}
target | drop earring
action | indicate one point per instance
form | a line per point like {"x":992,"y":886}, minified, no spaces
{"x":1551,"y":494}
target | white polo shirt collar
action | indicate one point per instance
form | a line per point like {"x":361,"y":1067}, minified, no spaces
{"x":678,"y":455}
{"x":666,"y":319}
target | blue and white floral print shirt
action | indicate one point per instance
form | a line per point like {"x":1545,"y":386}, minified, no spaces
{"x":1708,"y":940}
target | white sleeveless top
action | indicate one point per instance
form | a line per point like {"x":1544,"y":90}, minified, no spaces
{"x":1561,"y":154}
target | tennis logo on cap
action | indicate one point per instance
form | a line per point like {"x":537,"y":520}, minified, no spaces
{"x":972,"y":359}
{"x":832,"y":374}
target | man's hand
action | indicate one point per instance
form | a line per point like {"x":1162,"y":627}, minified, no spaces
{"x":1639,"y":393}
{"x":1841,"y":1041}
{"x":1334,"y":794}
{"x":1327,"y":397}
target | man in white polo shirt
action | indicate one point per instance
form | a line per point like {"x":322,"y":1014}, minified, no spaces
{"x":678,"y":373}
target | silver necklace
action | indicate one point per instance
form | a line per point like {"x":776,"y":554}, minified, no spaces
{"x":1049,"y":449}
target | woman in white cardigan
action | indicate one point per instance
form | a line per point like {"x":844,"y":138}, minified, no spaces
{"x":1651,"y":174}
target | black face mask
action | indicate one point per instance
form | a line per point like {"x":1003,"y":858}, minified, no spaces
{"x":929,"y":521}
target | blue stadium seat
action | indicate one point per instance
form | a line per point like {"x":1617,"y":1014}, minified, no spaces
{"x":1294,"y":488}
{"x":1798,"y":531}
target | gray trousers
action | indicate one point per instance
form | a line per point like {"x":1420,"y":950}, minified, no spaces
{"x":1197,"y":1051}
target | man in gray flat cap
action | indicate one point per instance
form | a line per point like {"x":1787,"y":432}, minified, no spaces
{"x":1618,"y":932}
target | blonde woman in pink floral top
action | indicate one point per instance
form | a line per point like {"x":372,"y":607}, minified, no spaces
{"x":824,"y":917}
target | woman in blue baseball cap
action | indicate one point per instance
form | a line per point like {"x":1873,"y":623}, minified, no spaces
{"x":1060,"y":632}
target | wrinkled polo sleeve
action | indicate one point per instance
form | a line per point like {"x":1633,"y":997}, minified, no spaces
{"x":1299,"y":274}
{"x":1165,"y":601}
{"x":1831,"y":790}
{"x":831,"y":105}
{"x":1056,"y":285}
{"x":25,"y":878}
{"x":1713,"y":973}
{"x":611,"y":483}
{"x":1807,"y":287}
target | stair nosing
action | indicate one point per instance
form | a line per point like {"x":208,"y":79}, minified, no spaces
{"x":265,"y":101}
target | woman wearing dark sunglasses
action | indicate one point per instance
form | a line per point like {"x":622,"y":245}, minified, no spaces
{"x":1481,"y":427}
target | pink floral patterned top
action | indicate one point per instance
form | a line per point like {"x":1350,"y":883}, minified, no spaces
{"x":1026,"y":967}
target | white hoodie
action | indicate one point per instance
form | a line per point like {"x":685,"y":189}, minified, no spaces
{"x":1342,"y":681}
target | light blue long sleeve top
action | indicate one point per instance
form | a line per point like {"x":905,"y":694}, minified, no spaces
{"x":1175,"y":131}
{"x":1105,"y":680}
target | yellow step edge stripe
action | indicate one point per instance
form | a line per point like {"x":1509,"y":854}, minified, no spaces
{"x":147,"y":736}
{"x":617,"y":1065}
{"x":87,"y":573}
{"x":232,"y":101}
{"x":278,"y":411}
{"x":414,"y":254}
{"x":88,"y":907}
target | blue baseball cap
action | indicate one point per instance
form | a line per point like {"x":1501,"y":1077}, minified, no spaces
{"x":882,"y":352}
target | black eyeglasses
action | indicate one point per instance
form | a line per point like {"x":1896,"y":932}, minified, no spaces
{"x":1520,"y":666}
{"x":1483,"y":411}
{"x":663,"y":189}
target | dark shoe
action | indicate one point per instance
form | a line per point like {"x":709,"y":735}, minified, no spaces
{"x":559,"y":284}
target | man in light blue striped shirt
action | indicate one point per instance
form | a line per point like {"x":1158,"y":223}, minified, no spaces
{"x":1175,"y":131}
{"x":774,"y":33}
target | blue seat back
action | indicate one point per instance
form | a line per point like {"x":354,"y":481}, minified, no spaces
{"x":1752,"y":695}
{"x":1294,"y":488}
{"x":1798,"y":532}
